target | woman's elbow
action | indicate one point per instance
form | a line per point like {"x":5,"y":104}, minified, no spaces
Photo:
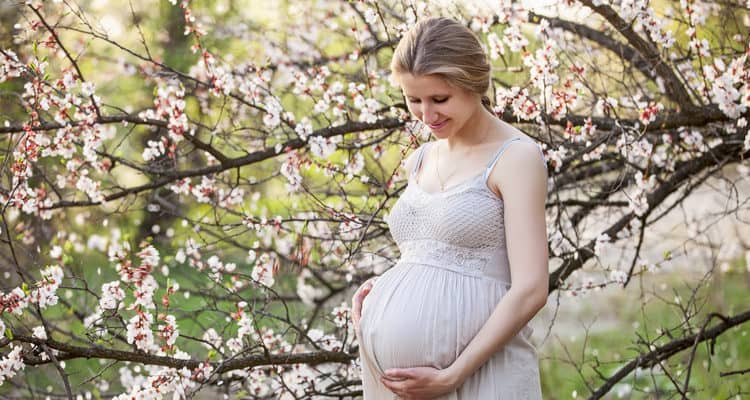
{"x":535,"y":296}
{"x":538,"y":298}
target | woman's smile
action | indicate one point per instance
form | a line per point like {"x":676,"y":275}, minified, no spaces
{"x":438,"y":125}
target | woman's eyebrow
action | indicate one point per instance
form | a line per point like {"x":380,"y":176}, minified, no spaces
{"x":432,"y":95}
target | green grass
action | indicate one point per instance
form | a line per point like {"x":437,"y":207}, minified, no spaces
{"x":566,"y":365}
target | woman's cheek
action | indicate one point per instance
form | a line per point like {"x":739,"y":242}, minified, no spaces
{"x":414,"y":112}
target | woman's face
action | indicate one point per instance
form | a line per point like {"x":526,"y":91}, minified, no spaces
{"x":444,"y":108}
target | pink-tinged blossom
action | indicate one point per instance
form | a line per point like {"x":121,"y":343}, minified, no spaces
{"x":39,"y":332}
{"x":14,"y":302}
{"x":149,"y":255}
{"x":700,"y":47}
{"x":213,"y":339}
{"x":307,"y":292}
{"x":323,"y":147}
{"x":542,"y":66}
{"x":112,"y":296}
{"x":223,"y":81}
{"x":154,"y":149}
{"x":368,"y":112}
{"x":327,"y":342}
{"x":290,"y":169}
{"x":168,"y":331}
{"x":273,"y":108}
{"x":606,"y":105}
{"x":90,"y":187}
{"x":563,"y":100}
{"x":230,"y":197}
{"x":264,"y":269}
{"x":56,"y":252}
{"x":217,"y":268}
{"x":354,"y":165}
{"x":514,"y":39}
{"x":341,"y":315}
{"x":144,"y":293}
{"x":139,"y":331}
{"x":588,"y":129}
{"x":88,"y":88}
{"x":181,"y":187}
{"x":10,"y":66}
{"x":692,"y":139}
{"x":118,"y":251}
{"x":519,"y":102}
{"x":244,"y":325}
{"x":649,"y":111}
{"x":638,"y":197}
{"x":618,"y":276}
{"x":202,"y":372}
{"x":204,"y":191}
{"x":496,"y":46}
{"x":160,"y":382}
{"x":275,"y":343}
{"x":724,"y":88}
{"x":594,"y":154}
{"x":45,"y":293}
{"x":556,"y":156}
{"x":12,"y":363}
{"x":321,"y":106}
{"x":169,"y":105}
{"x":234,"y":345}
{"x":655,"y":28}
{"x":149,"y":260}
{"x":304,"y":128}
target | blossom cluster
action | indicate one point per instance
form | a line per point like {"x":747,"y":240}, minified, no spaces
{"x":169,"y":105}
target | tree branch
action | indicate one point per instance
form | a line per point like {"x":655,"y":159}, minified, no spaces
{"x":675,"y":90}
{"x":668,"y":350}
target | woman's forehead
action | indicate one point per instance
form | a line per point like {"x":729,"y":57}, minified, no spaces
{"x":424,"y":85}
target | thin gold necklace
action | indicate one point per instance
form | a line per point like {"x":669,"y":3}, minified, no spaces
{"x":437,"y":161}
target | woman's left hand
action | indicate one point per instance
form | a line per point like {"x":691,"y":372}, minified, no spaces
{"x":420,"y":382}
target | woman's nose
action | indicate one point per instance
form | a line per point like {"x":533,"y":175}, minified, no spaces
{"x":428,"y":113}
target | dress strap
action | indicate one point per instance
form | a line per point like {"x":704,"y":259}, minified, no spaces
{"x":505,"y":145}
{"x":420,"y":155}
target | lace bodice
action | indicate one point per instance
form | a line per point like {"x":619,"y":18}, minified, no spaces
{"x":460,"y":229}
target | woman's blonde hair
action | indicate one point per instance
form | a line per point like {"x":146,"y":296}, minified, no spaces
{"x":442,"y":46}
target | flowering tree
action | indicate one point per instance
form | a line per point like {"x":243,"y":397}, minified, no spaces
{"x":188,"y":200}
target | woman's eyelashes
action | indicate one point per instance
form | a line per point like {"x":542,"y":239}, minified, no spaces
{"x":437,"y":100}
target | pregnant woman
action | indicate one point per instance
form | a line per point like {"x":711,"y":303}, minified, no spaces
{"x":449,"y":320}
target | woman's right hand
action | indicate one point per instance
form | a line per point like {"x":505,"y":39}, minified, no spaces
{"x":358,"y":299}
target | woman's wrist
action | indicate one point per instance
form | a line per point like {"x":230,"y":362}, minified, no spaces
{"x":454,"y":376}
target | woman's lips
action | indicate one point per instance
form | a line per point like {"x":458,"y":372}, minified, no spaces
{"x":438,"y":125}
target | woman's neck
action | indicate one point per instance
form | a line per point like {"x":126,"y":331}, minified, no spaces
{"x":475,"y":132}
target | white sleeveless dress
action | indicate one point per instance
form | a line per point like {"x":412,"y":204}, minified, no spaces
{"x":452,"y":272}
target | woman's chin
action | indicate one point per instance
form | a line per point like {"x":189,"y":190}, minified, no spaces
{"x":440,"y":133}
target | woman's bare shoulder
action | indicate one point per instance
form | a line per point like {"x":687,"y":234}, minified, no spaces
{"x":520,"y":167}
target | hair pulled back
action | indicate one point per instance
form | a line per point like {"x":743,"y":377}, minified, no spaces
{"x":442,"y":46}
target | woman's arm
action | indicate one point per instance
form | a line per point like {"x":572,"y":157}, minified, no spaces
{"x":523,"y":179}
{"x":524,"y":195}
